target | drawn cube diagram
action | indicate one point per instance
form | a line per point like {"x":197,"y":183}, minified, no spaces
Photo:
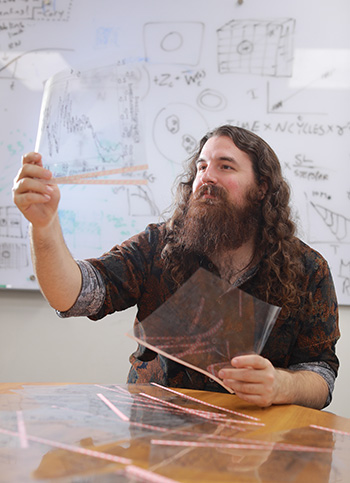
{"x":258,"y":47}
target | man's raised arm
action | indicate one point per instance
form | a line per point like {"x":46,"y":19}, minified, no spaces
{"x":58,"y":274}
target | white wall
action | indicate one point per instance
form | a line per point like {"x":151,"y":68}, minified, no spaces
{"x":341,"y":396}
{"x":38,"y":346}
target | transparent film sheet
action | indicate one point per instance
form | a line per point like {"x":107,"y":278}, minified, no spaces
{"x":238,"y":462}
{"x":206,"y":323}
{"x":287,"y":456}
{"x":73,"y":430}
{"x":90,"y":121}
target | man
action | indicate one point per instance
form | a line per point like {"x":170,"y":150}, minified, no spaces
{"x":231,"y":216}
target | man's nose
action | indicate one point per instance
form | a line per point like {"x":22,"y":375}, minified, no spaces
{"x":209,"y":175}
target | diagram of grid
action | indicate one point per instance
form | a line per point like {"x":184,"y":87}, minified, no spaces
{"x":259,"y":47}
{"x":13,"y":255}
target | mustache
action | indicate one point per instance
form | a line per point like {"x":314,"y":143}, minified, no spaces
{"x":210,"y":189}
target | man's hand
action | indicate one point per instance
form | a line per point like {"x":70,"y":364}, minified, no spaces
{"x":58,"y":274}
{"x":254,"y":379}
{"x":33,"y":194}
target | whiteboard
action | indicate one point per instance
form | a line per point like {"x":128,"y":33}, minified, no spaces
{"x":276,"y":68}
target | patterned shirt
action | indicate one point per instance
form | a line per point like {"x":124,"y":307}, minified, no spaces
{"x":133,"y":273}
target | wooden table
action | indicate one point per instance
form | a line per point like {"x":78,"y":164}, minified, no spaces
{"x":104,"y":433}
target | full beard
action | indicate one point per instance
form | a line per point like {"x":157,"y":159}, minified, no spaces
{"x":215,"y":224}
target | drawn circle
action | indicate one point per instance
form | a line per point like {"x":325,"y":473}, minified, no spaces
{"x":171,"y":42}
{"x":211,"y":100}
{"x":245,"y":47}
{"x":177,"y":130}
{"x":6,"y":254}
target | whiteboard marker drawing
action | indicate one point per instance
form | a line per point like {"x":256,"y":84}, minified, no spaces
{"x":173,"y":42}
{"x":344,"y":273}
{"x":336,"y":222}
{"x":11,"y":222}
{"x":177,"y":129}
{"x":13,"y":255}
{"x":256,"y":46}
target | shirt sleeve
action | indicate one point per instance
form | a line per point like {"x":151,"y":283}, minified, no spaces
{"x":318,"y":319}
{"x":321,"y":368}
{"x":129,"y":274}
{"x":92,"y":293}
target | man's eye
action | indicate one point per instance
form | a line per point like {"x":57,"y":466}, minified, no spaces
{"x":227,"y":166}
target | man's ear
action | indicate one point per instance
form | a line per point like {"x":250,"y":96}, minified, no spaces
{"x":263,"y":187}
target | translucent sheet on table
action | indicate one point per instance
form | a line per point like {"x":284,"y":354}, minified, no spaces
{"x":237,"y":463}
{"x":206,"y":323}
{"x":104,"y":414}
{"x":307,"y":436}
{"x":73,"y":431}
{"x":333,"y":446}
{"x":154,"y":406}
{"x":287,"y":456}
{"x":96,"y":433}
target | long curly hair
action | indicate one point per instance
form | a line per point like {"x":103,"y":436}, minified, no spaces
{"x":280,"y":268}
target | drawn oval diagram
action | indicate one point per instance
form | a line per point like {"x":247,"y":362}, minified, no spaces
{"x":245,"y":47}
{"x":171,"y":42}
{"x":177,"y":130}
{"x":211,"y":100}
{"x":5,"y":254}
